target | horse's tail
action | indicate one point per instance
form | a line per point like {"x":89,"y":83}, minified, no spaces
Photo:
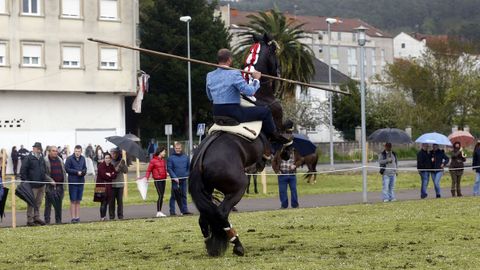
{"x":216,"y":242}
{"x":211,"y":220}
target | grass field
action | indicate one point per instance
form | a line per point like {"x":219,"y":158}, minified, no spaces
{"x":326,"y":183}
{"x":435,"y":234}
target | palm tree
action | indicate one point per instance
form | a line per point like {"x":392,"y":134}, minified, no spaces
{"x":295,"y":57}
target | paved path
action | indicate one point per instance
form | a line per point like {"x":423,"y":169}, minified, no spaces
{"x":247,"y":205}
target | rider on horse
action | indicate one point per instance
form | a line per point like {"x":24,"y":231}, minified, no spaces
{"x":224,"y":87}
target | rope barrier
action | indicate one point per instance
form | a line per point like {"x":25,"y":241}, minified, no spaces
{"x":405,"y":169}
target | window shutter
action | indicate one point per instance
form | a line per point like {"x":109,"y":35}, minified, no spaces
{"x":71,"y":8}
{"x":72,"y":54}
{"x":32,"y":51}
{"x":3,"y":7}
{"x":109,"y":55}
{"x":108,"y":9}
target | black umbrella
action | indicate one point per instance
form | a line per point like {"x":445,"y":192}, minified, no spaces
{"x":303,"y":145}
{"x":132,"y":137}
{"x":391,"y":135}
{"x":54,"y":196}
{"x":131,"y":147}
{"x":24,"y":191}
{"x":3,"y":201}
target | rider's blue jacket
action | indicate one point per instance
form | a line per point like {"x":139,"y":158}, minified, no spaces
{"x":224,"y":86}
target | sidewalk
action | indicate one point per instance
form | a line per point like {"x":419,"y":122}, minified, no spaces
{"x":246,"y":205}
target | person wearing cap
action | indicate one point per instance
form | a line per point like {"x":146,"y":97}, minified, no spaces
{"x":76,"y":167}
{"x":388,"y":169}
{"x":33,"y":170}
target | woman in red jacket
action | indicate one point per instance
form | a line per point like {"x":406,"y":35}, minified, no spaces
{"x":158,"y":169}
{"x":106,"y":173}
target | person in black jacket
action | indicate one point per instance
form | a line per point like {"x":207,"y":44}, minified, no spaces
{"x":14,"y":155}
{"x":439,"y":161}
{"x":33,"y":170}
{"x":424,"y":164}
{"x":476,"y":168}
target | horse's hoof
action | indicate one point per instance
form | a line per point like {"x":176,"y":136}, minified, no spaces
{"x":238,"y":250}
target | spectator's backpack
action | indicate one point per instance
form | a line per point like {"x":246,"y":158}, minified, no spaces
{"x":384,"y":156}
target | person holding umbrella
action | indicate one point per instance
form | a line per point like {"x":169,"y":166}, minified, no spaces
{"x":55,"y":171}
{"x":106,"y":174}
{"x":439,"y":161}
{"x":33,"y":170}
{"x":388,"y":169}
{"x":424,"y":165}
{"x":117,"y":184}
{"x":458,"y":157}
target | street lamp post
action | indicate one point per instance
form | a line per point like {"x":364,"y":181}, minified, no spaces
{"x":187,"y":19}
{"x":330,"y":21}
{"x":362,"y":40}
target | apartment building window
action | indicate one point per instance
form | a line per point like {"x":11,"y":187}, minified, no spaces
{"x":32,"y":54}
{"x":354,"y":37}
{"x":339,"y":35}
{"x":71,"y":56}
{"x":109,"y":10}
{"x":31,"y":7}
{"x":3,"y":53}
{"x":382,"y":56}
{"x":403,"y":45}
{"x":352,"y":62}
{"x":3,"y":6}
{"x":334,"y":52}
{"x":71,"y":8}
{"x":374,"y":62}
{"x":109,"y":58}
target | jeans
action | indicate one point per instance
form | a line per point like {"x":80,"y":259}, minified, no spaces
{"x":57,"y":208}
{"x":117,"y":195}
{"x":476,"y":186}
{"x":388,"y":187}
{"x":182,"y":201}
{"x":283,"y":182}
{"x":436,"y":176}
{"x":425,"y":176}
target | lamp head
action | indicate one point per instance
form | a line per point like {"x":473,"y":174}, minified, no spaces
{"x":362,"y":36}
{"x":185,"y":18}
{"x":332,"y":20}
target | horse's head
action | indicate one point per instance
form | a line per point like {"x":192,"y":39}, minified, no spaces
{"x":262,"y":55}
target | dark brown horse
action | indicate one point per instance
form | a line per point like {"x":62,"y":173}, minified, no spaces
{"x":263,"y":57}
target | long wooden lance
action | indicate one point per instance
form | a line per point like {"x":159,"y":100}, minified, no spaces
{"x":168,"y":55}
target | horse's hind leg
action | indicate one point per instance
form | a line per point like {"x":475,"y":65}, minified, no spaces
{"x":225,"y":207}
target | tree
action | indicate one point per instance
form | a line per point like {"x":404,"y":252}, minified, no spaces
{"x":306,"y":113}
{"x":161,"y":30}
{"x":441,"y":88}
{"x":295,"y":57}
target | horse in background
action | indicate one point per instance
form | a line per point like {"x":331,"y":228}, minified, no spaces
{"x":263,"y":57}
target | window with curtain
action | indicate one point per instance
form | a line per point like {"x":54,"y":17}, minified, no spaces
{"x":109,"y":58}
{"x":71,"y":56}
{"x":31,"y":7}
{"x":109,"y":9}
{"x":32,"y":55}
{"x":71,"y":8}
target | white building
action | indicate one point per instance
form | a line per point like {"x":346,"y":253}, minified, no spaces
{"x":406,"y":46}
{"x":56,"y":87}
